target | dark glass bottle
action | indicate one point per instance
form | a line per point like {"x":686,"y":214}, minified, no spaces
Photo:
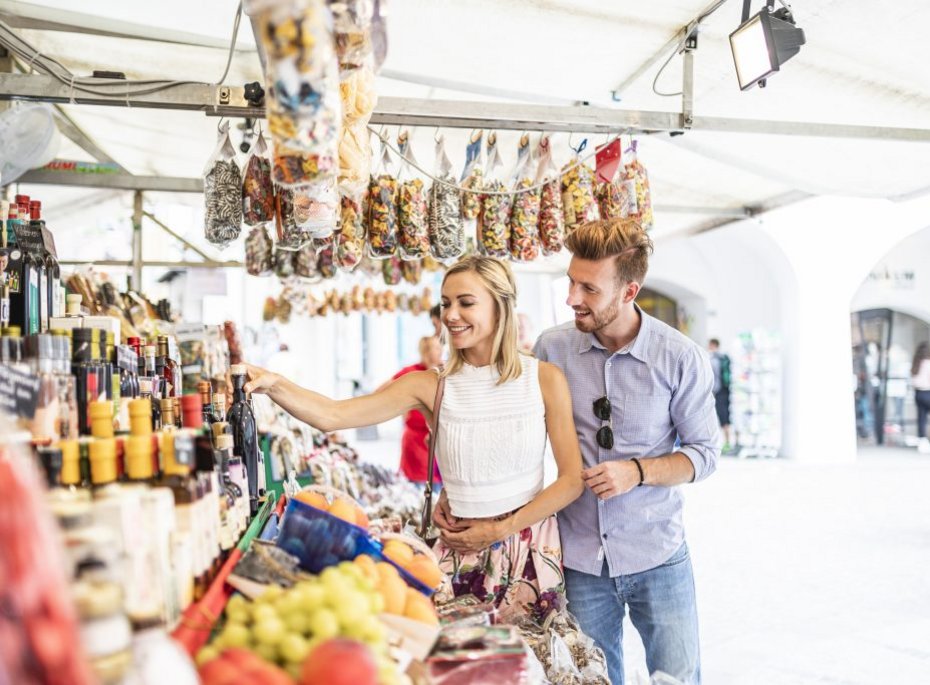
{"x":150,"y":386}
{"x":85,"y":372}
{"x":205,"y":389}
{"x":170,"y":368}
{"x":24,"y":294}
{"x":42,"y":264}
{"x":245,"y":437}
{"x":176,"y":452}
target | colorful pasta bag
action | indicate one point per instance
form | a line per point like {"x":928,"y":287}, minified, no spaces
{"x":350,"y":238}
{"x":635,"y":171}
{"x":551,"y":211}
{"x":382,"y":211}
{"x":472,"y":178}
{"x":524,"y":216}
{"x":578,"y":200}
{"x":391,"y":271}
{"x":257,"y":187}
{"x":496,"y":203}
{"x":259,"y":260}
{"x":412,"y":208}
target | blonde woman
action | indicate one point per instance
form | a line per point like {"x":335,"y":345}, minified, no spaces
{"x":499,"y":539}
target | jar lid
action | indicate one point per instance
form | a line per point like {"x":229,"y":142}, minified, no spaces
{"x":140,"y":407}
{"x":100,"y":410}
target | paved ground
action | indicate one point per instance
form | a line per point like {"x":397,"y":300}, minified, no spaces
{"x":807,"y":574}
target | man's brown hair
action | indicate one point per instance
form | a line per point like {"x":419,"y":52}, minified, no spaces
{"x":624,"y":239}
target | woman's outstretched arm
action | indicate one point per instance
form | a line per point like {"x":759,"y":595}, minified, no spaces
{"x":412,"y":391}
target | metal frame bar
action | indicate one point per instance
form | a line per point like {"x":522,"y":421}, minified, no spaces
{"x":164,"y":264}
{"x":229,"y":101}
{"x":113,"y":181}
{"x":137,"y":240}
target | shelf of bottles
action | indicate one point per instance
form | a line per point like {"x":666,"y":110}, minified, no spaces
{"x":756,"y":393}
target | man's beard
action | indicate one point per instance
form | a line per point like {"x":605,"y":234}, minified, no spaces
{"x":595,"y":321}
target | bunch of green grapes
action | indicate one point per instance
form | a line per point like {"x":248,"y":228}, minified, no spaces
{"x":283,"y":626}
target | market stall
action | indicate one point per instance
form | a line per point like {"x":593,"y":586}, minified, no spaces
{"x":202,"y":535}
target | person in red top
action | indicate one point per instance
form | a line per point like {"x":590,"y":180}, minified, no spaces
{"x":414,"y":449}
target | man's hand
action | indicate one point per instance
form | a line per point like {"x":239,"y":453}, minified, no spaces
{"x":443,"y":518}
{"x":611,"y":478}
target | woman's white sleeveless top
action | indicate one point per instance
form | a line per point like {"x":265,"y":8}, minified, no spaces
{"x":491,"y":440}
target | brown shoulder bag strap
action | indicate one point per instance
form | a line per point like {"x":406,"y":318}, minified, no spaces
{"x":426,"y":519}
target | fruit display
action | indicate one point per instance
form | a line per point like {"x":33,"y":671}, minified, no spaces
{"x":422,"y":566}
{"x":397,"y":597}
{"x":289,"y":627}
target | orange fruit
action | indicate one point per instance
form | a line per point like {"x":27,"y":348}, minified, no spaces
{"x":314,"y":499}
{"x":426,"y":571}
{"x":361,"y":518}
{"x":419,"y":608}
{"x":367,"y":564}
{"x":399,"y":552}
{"x":344,"y":510}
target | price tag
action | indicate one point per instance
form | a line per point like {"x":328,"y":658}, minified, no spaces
{"x":19,"y":392}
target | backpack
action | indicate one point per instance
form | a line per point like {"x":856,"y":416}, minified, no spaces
{"x":725,"y":373}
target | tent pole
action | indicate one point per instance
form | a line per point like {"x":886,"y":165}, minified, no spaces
{"x":137,"y":240}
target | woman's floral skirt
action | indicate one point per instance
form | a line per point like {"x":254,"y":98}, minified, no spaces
{"x":521,"y":575}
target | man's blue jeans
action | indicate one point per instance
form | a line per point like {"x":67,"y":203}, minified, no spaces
{"x":662,"y":608}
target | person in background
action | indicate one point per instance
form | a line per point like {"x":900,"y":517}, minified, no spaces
{"x":920,"y":379}
{"x":414,"y":448}
{"x":720,"y":363}
{"x":638,"y":387}
{"x":524,"y":333}
{"x":435,"y":316}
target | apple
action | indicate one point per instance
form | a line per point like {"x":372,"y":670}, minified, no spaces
{"x":339,"y":662}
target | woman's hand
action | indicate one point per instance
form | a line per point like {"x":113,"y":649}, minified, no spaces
{"x":260,"y":381}
{"x":442,"y":515}
{"x":477,"y":536}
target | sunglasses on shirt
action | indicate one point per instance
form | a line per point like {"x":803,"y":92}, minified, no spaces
{"x":605,"y":435}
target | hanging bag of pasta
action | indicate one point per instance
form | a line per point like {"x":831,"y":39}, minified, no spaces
{"x":635,"y":171}
{"x":524,"y":217}
{"x":316,"y":209}
{"x":324,"y":262}
{"x":611,"y":189}
{"x":257,"y":188}
{"x":496,"y":202}
{"x":472,"y":177}
{"x":551,"y":212}
{"x":288,"y":233}
{"x":284,"y":262}
{"x":222,"y":192}
{"x":411,"y":271}
{"x":391,"y":270}
{"x":306,"y":261}
{"x":578,"y":200}
{"x":382,"y":209}
{"x":349,"y":245}
{"x":446,"y":229}
{"x":412,"y":208}
{"x":302,"y":76}
{"x":258,"y":252}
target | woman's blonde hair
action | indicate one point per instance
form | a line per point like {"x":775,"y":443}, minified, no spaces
{"x":498,"y":279}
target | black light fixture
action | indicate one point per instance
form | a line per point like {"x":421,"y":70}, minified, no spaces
{"x":764,"y":42}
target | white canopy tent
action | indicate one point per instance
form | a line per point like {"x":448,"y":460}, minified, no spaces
{"x":857,"y":68}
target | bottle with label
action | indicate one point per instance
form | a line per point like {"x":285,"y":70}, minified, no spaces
{"x":86,"y":374}
{"x":46,"y":423}
{"x":67,"y":397}
{"x":11,"y":348}
{"x":234,"y":473}
{"x":23,"y":274}
{"x":176,"y":476}
{"x":5,"y":274}
{"x":170,"y":368}
{"x":245,"y":437}
{"x":150,"y":386}
{"x":42,"y":262}
{"x":205,"y":389}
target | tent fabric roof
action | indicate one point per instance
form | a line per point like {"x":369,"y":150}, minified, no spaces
{"x":857,"y":67}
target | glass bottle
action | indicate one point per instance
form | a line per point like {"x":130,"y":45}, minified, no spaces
{"x":205,"y":389}
{"x":169,"y":368}
{"x":85,"y":373}
{"x":176,"y":476}
{"x":245,"y":437}
{"x":67,"y":398}
{"x":11,"y":348}
{"x":235,"y":471}
{"x":149,"y":386}
{"x":42,"y":264}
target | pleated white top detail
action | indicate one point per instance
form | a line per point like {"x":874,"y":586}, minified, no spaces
{"x":491,"y":441}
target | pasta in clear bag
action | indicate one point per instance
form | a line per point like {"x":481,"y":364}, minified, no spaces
{"x":635,"y":173}
{"x":257,"y":188}
{"x":445,"y":227}
{"x":524,"y":216}
{"x":578,"y":200}
{"x":258,"y":252}
{"x":412,"y":209}
{"x":496,"y":203}
{"x":382,"y":211}
{"x":222,"y":192}
{"x":350,"y":238}
{"x":301,"y":70}
{"x":551,"y":211}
